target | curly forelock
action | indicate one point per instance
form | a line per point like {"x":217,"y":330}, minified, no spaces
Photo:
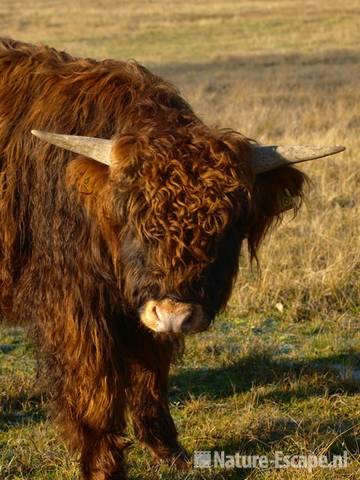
{"x":183,"y":190}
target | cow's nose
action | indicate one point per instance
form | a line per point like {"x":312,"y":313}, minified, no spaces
{"x":170,"y":316}
{"x":178,"y":320}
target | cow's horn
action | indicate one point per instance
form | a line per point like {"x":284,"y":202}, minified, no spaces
{"x":96,"y":148}
{"x":269,"y":157}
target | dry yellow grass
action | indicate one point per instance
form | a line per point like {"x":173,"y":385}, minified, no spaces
{"x":159,"y":31}
{"x":279,"y":71}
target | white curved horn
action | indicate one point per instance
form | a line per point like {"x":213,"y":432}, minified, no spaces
{"x":269,"y":157}
{"x":98,"y":149}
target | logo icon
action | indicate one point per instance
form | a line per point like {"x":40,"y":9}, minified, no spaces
{"x":202,"y":459}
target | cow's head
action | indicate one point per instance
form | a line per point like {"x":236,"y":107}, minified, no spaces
{"x":183,"y":202}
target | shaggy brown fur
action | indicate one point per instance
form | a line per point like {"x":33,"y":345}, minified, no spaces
{"x":83,"y":247}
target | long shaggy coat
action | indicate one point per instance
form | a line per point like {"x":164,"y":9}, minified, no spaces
{"x":82,"y":246}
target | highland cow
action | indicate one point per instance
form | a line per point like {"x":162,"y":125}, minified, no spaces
{"x":127,"y":237}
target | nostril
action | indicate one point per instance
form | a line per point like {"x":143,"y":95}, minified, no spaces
{"x":187,"y":323}
{"x":161,"y":314}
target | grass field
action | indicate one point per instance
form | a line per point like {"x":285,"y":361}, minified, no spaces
{"x":280,"y":370}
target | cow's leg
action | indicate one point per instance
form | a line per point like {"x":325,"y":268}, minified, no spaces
{"x":148,"y":404}
{"x":101,"y":449}
{"x":102,"y":456}
{"x":91,"y":417}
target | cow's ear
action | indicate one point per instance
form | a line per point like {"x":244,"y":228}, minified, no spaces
{"x":128,"y":151}
{"x":274,"y":193}
{"x":88,"y":177}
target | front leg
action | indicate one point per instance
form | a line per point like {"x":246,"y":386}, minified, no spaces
{"x":147,"y":401}
{"x":90,"y":412}
{"x":99,"y":438}
{"x":102,"y":456}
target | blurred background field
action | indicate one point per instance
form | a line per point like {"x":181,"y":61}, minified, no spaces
{"x":280,"y":369}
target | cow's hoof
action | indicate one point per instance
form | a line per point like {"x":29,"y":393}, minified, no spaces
{"x":179,"y":459}
{"x":182,"y":460}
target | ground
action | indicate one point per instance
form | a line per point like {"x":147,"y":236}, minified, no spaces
{"x":280,"y":369}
